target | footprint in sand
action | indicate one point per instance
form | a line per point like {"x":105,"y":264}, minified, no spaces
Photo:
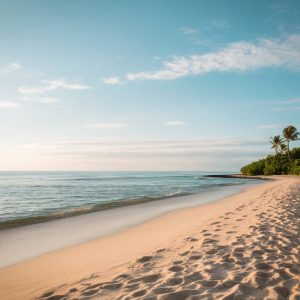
{"x":174,"y":281}
{"x":209,"y":283}
{"x":195,"y":257}
{"x":162,"y":290}
{"x":139,"y":293}
{"x":209,"y":241}
{"x":47,"y":294}
{"x":89,"y":292}
{"x":176,"y":269}
{"x":184,"y":294}
{"x":211,"y":252}
{"x":207,"y":234}
{"x":215,"y":223}
{"x":57,"y":297}
{"x":131,"y":287}
{"x":191,"y":239}
{"x":195,"y":276}
{"x":144,"y":259}
{"x":262,"y":264}
{"x":150,"y":278}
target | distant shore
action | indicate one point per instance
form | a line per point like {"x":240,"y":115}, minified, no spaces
{"x":244,"y":245}
{"x":240,"y":176}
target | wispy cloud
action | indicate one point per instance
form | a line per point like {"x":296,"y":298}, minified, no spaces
{"x":175,"y":123}
{"x":152,"y":145}
{"x":236,"y":57}
{"x":286,"y":108}
{"x":10,"y":68}
{"x":270,"y":126}
{"x":112,"y":80}
{"x":283,"y":105}
{"x":9,"y":104}
{"x":221,"y":24}
{"x":153,"y":154}
{"x":45,"y":100}
{"x":188,"y":30}
{"x":52,"y":85}
{"x":291,"y":101}
{"x":283,"y":15}
{"x":105,"y":125}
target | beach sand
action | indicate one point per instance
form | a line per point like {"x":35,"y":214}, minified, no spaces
{"x":246,"y":246}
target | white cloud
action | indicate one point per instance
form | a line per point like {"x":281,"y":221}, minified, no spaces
{"x":10,"y":68}
{"x":175,"y":123}
{"x":105,"y":125}
{"x":55,"y":84}
{"x":9,"y":104}
{"x":45,"y":100}
{"x":51,"y":85}
{"x":112,"y":80}
{"x":188,"y":30}
{"x":236,"y":57}
{"x":30,"y":90}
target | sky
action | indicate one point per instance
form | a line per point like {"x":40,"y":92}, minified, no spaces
{"x":146,"y":85}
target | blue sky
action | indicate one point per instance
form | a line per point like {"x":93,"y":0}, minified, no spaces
{"x":145,"y":85}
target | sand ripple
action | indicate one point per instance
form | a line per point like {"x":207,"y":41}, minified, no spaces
{"x":261,"y":261}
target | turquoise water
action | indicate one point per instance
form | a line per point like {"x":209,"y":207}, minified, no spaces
{"x":28,"y":197}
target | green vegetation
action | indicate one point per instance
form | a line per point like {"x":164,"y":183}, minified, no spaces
{"x":285,"y":161}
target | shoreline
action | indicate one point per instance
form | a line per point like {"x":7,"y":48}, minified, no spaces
{"x":158,"y":244}
{"x":239,"y":176}
{"x":81,"y":210}
{"x":97,"y":207}
{"x":66,"y":232}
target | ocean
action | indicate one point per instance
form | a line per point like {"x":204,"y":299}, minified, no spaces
{"x":32,"y":197}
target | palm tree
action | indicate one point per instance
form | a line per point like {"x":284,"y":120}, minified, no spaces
{"x":276,"y":143}
{"x":283,"y":148}
{"x":290,"y":133}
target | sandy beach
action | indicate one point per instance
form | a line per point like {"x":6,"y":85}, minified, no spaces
{"x":245,"y":246}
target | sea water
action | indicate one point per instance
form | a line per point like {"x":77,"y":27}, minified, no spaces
{"x":31,"y":197}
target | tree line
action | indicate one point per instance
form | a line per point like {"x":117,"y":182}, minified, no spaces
{"x":285,"y":160}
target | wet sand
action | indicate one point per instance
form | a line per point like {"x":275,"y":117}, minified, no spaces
{"x":24,"y":242}
{"x":245,"y":246}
